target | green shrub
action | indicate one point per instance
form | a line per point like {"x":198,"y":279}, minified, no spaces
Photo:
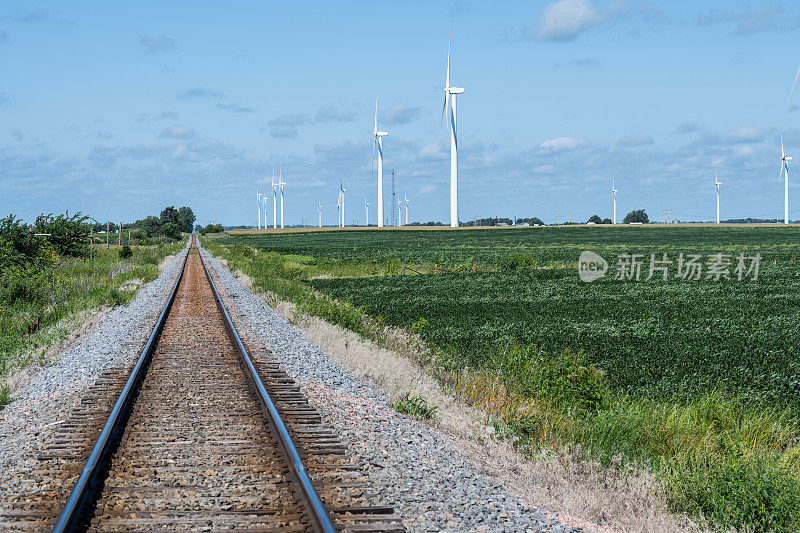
{"x":737,"y":491}
{"x":125,"y":252}
{"x":415,"y":406}
{"x":565,"y":380}
{"x":69,"y":235}
{"x":517,"y":262}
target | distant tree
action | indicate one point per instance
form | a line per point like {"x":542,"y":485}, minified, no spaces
{"x":186,"y":219}
{"x":533,"y":221}
{"x":212,"y":228}
{"x":67,"y":234}
{"x":636,"y":216}
{"x":170,"y":214}
{"x":198,"y":228}
{"x":151,"y":226}
{"x":171,"y":230}
{"x":18,"y":244}
{"x":596,"y":219}
{"x":606,"y":221}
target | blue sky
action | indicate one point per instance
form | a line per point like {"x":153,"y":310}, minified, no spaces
{"x":117,"y":110}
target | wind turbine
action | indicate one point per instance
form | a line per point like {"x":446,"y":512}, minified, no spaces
{"x":264,"y":199}
{"x":378,"y":141}
{"x":366,"y":213}
{"x":451,"y":117}
{"x":717,"y":183}
{"x":339,"y":209}
{"x":258,"y":201}
{"x":281,"y":183}
{"x":614,"y":200}
{"x":405,"y":196}
{"x":341,"y":192}
{"x":784,"y":170}
{"x":274,"y":202}
{"x":399,"y":211}
{"x":319,"y":206}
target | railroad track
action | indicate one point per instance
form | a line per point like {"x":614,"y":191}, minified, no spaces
{"x":203,"y":434}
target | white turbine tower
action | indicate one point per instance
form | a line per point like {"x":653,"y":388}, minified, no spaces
{"x":339,"y":209}
{"x":451,"y":118}
{"x":266,"y":203}
{"x":319,"y":206}
{"x":274,"y":203}
{"x":342,"y":191}
{"x":405,"y":196}
{"x":258,"y":201}
{"x":399,"y":212}
{"x":784,"y":170}
{"x":366,"y":213}
{"x":614,"y":201}
{"x":378,"y":141}
{"x":717,"y":183}
{"x":281,"y":183}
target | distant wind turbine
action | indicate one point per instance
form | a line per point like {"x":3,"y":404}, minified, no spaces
{"x":784,"y":170}
{"x":258,"y":201}
{"x":281,"y":183}
{"x":717,"y":183}
{"x":366,"y":212}
{"x":451,"y":117}
{"x":264,"y":199}
{"x":319,"y":206}
{"x":274,"y":202}
{"x":399,"y":212}
{"x":341,"y":193}
{"x":378,"y":142}
{"x":614,"y":200}
{"x":793,"y":86}
{"x":405,"y":196}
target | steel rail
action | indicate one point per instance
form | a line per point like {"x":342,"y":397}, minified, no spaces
{"x":91,"y":476}
{"x":320,"y":519}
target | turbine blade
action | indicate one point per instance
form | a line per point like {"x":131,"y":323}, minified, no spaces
{"x":782,"y":152}
{"x":447,"y":74}
{"x":793,"y":85}
{"x":376,"y":114}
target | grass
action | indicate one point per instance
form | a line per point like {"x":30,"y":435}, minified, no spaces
{"x":683,"y":377}
{"x":415,"y":405}
{"x":37,"y":304}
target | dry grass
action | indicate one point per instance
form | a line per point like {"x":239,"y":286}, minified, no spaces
{"x":617,"y":496}
{"x":77,"y":326}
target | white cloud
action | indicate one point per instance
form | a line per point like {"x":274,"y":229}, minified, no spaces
{"x":400,"y":114}
{"x":747,"y":135}
{"x":565,"y":19}
{"x":433,"y":152}
{"x":562,"y":144}
{"x":427,"y":189}
{"x":178,"y":132}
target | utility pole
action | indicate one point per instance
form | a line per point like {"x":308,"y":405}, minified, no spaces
{"x":91,"y":244}
{"x":108,"y":228}
{"x":119,"y":240}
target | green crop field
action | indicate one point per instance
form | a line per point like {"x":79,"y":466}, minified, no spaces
{"x":701,"y":377}
{"x":549,"y":244}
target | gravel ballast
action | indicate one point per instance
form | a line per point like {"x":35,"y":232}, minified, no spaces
{"x":412,"y":467}
{"x":27,"y":424}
